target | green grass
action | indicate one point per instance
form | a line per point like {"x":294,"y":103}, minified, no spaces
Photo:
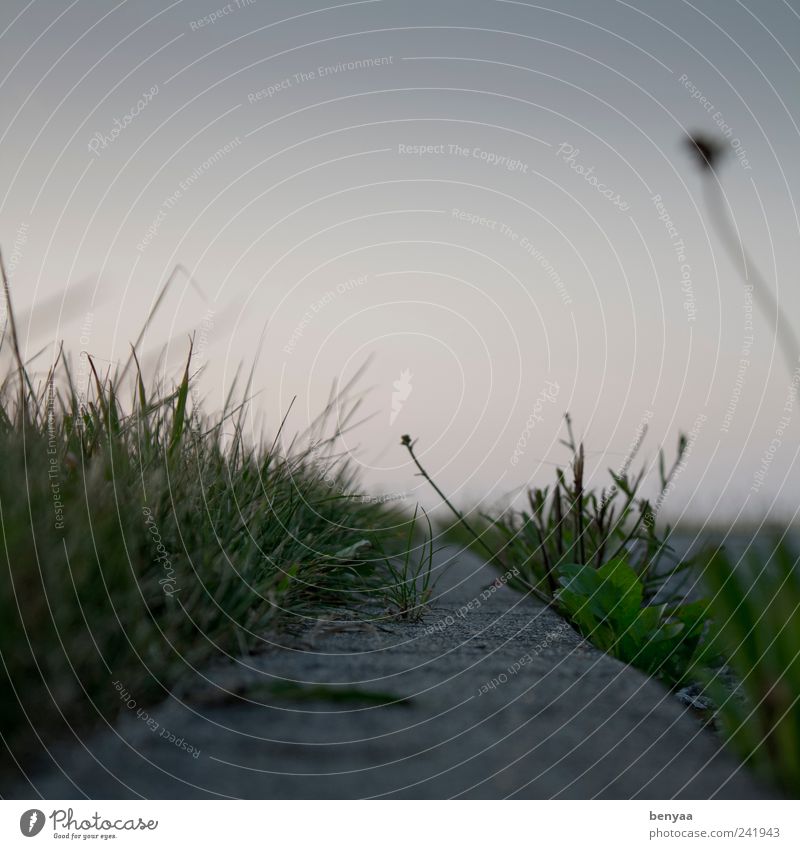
{"x":411,"y":577}
{"x":755,"y":607}
{"x":141,"y":539}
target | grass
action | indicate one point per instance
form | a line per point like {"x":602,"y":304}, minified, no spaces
{"x":755,"y":614}
{"x":412,"y":581}
{"x":141,"y":539}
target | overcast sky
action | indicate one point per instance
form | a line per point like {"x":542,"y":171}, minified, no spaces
{"x":490,"y":199}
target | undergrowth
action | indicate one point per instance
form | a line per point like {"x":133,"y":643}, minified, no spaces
{"x":142,"y":538}
{"x":599,"y":559}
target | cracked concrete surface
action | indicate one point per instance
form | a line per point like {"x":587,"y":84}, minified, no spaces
{"x":503,"y":700}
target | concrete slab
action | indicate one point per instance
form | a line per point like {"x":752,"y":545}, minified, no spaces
{"x":504,"y":700}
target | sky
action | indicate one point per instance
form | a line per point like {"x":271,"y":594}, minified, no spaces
{"x":489,"y":204}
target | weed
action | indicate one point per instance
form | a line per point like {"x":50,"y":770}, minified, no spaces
{"x":607,"y":605}
{"x":411,"y":582}
{"x":599,"y":559}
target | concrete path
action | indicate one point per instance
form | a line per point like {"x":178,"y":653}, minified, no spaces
{"x":503,"y":700}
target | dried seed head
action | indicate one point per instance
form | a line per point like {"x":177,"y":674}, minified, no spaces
{"x":706,"y":149}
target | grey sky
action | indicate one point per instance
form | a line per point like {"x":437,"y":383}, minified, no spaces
{"x":298,"y":199}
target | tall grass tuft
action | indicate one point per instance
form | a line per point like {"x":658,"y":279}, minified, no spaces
{"x":412,"y":581}
{"x":142,"y":538}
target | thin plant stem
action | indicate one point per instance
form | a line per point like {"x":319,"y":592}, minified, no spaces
{"x":762,"y":294}
{"x":493,"y":556}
